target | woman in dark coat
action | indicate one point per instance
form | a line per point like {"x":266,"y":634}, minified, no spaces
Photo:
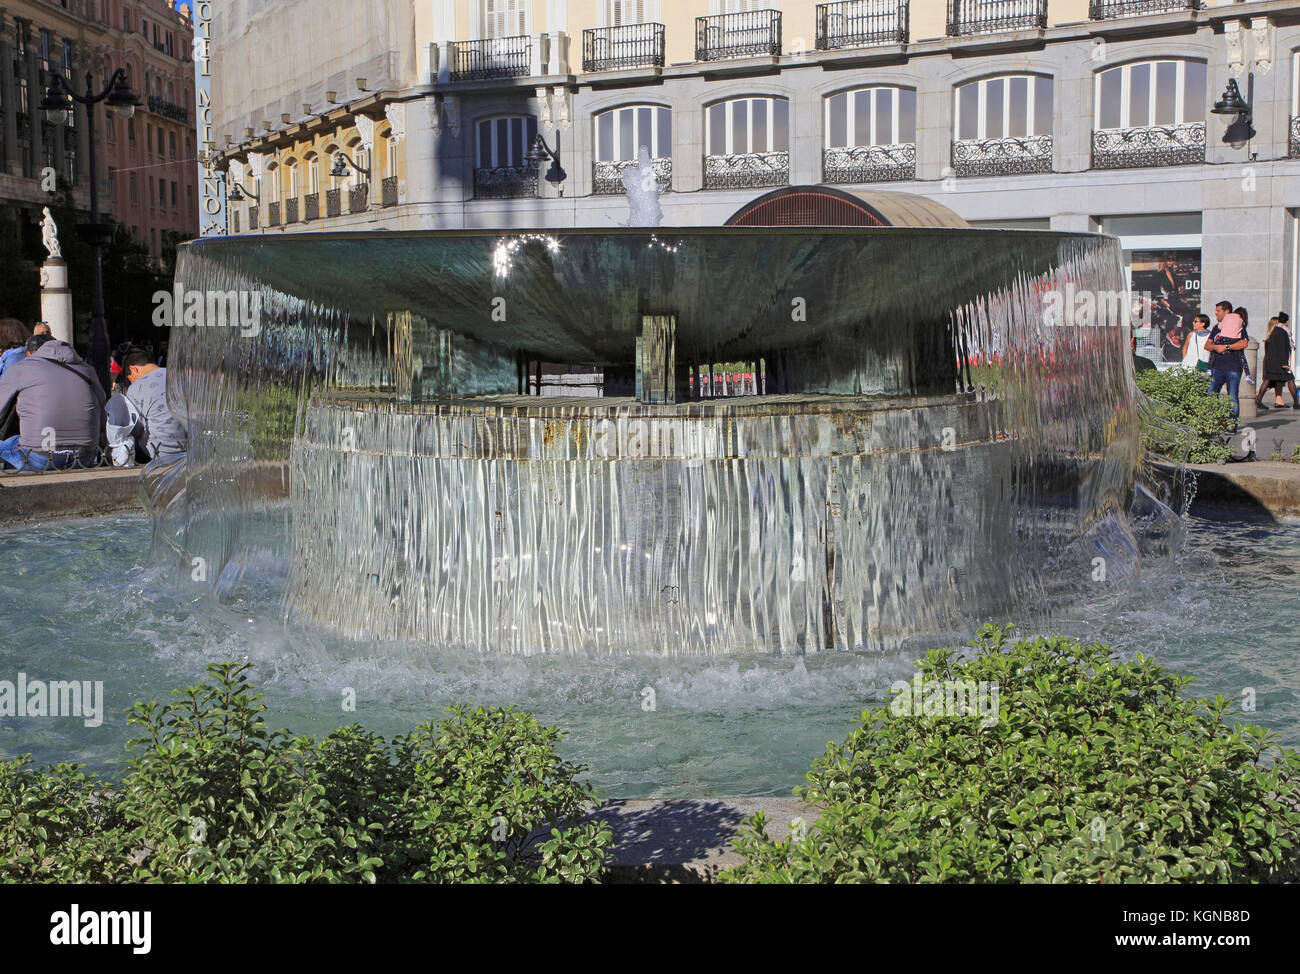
{"x":1277,"y":365}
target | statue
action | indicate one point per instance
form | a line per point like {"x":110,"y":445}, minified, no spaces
{"x":50,"y":235}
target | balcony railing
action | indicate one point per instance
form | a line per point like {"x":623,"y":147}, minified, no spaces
{"x":388,"y":190}
{"x":869,"y":163}
{"x":252,"y":218}
{"x":291,"y":210}
{"x":311,"y":204}
{"x":358,"y":197}
{"x":628,"y":46}
{"x":1149,"y":145}
{"x":493,"y":57}
{"x":607,"y":177}
{"x":747,"y":170}
{"x":1002,"y":157}
{"x":1110,"y":9}
{"x":752,"y":34}
{"x":966,"y":17}
{"x":273,"y":214}
{"x":333,"y":202}
{"x":505,"y":182}
{"x":861,"y":23}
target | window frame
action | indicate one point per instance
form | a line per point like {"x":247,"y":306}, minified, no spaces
{"x":1125,"y":101}
{"x":657,"y":151}
{"x":729,"y":127}
{"x":981,"y":109}
{"x":850,"y":128}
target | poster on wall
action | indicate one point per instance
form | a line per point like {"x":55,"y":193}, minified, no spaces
{"x":1166,"y":286}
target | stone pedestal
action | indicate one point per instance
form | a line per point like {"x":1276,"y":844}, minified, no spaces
{"x":1249,"y":388}
{"x":56,"y":299}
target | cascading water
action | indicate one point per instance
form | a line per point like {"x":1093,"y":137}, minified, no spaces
{"x":930,"y":447}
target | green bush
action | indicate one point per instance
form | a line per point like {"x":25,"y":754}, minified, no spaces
{"x":1095,"y":770}
{"x":212,"y":794}
{"x":1185,"y":423}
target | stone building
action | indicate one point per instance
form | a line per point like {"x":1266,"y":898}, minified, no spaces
{"x":1063,"y":114}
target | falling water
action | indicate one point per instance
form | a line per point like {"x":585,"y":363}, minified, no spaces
{"x":932,"y":447}
{"x":642,"y":186}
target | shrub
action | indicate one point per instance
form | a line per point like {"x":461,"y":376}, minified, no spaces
{"x":1096,"y":770}
{"x":212,"y":794}
{"x":1184,"y":423}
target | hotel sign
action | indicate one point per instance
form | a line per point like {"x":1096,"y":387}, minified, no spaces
{"x":212,"y":190}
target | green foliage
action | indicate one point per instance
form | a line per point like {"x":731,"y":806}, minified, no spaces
{"x":1096,"y":770}
{"x":212,"y":794}
{"x":1186,"y":424}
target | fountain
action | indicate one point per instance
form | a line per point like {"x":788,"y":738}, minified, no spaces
{"x":924,"y":447}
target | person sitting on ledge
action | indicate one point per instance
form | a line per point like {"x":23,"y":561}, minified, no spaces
{"x":163,"y":435}
{"x":59,"y":404}
{"x":1140,"y":362}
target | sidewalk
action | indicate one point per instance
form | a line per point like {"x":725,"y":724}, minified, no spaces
{"x":1276,"y":431}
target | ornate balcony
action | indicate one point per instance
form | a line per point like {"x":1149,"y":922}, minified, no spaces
{"x":607,"y":177}
{"x":273,"y":214}
{"x":388,"y":191}
{"x":1002,"y":157}
{"x":505,"y":182}
{"x":1149,"y":145}
{"x":1111,"y":9}
{"x":748,"y":170}
{"x":756,"y":33}
{"x":291,"y":211}
{"x":333,"y":202}
{"x":311,"y":207}
{"x":869,"y":163}
{"x":861,"y":23}
{"x":967,"y":17}
{"x":359,"y":198}
{"x":628,"y":46}
{"x":493,"y":57}
{"x":1293,"y":145}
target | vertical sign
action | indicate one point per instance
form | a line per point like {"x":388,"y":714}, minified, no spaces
{"x":212,"y":190}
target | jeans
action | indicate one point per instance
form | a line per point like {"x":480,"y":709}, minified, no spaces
{"x":21,"y":459}
{"x":1232,"y":379}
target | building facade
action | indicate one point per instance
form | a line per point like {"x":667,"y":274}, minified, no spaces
{"x":1082,"y":115}
{"x":153,"y":42}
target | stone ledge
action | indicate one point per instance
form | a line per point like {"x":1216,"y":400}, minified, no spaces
{"x":30,"y":497}
{"x":1265,"y":489}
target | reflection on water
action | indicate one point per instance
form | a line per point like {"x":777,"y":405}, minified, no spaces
{"x":77,"y":603}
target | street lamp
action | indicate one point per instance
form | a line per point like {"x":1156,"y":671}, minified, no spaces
{"x":1241,"y":130}
{"x":339,"y":170}
{"x":121,"y":102}
{"x":540,"y":151}
{"x":239,"y":194}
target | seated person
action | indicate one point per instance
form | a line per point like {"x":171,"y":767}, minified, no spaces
{"x":163,"y":435}
{"x":121,"y":424}
{"x":59,"y":404}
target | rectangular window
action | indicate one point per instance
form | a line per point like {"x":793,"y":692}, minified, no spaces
{"x":1018,"y":126}
{"x":837,"y":133}
{"x":968,"y":103}
{"x":1139,"y":95}
{"x":1043,"y":107}
{"x":883,"y":128}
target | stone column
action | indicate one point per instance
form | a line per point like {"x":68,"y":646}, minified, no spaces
{"x":34,"y":95}
{"x":56,"y":298}
{"x":8,"y":94}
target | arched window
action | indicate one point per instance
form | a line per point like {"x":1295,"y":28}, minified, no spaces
{"x":1003,"y":125}
{"x":500,"y":170}
{"x":747,"y":143}
{"x":870,"y":135}
{"x":620,"y":134}
{"x":1164,"y":100}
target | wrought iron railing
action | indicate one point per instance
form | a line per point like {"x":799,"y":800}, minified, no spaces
{"x":607,"y":177}
{"x":252,"y":218}
{"x":493,"y":57}
{"x":358,"y":197}
{"x":1002,"y":157}
{"x":291,"y":210}
{"x":1109,"y":9}
{"x":505,"y":182}
{"x":869,"y":163}
{"x":388,"y":191}
{"x":311,"y":207}
{"x":861,"y":23}
{"x":1293,"y":148}
{"x":628,"y":46}
{"x":1149,"y":145}
{"x":747,"y":170}
{"x":333,"y":202}
{"x":967,"y":17}
{"x":751,"y":34}
{"x":273,"y":214}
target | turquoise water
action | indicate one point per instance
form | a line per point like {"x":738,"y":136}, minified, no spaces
{"x":78,"y":602}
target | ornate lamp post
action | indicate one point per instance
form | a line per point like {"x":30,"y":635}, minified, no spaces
{"x":540,"y":152}
{"x":122,"y":102}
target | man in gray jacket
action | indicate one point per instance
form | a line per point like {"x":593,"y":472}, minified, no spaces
{"x":59,"y":404}
{"x":163,"y":434}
